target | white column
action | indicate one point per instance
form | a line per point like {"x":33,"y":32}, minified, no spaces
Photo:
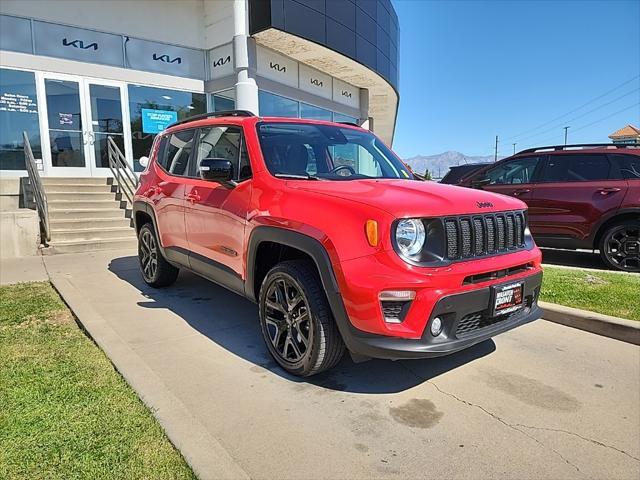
{"x":246,"y":87}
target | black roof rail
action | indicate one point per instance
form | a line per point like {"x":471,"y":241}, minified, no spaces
{"x":222,"y":113}
{"x":350,"y":123}
{"x":579,"y":145}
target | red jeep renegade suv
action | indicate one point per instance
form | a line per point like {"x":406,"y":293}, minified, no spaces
{"x":330,"y":233}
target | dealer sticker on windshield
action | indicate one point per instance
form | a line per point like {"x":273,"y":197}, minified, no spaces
{"x":507,"y":298}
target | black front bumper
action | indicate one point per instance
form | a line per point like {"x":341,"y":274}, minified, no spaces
{"x":466,"y":322}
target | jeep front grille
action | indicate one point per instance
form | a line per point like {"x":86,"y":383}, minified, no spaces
{"x":475,"y":236}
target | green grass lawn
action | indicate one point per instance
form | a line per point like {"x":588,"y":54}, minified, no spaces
{"x":603,"y":292}
{"x":65,"y":413}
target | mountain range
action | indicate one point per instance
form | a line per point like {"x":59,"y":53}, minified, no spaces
{"x":439,"y":164}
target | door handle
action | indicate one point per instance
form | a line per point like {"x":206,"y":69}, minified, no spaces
{"x":193,"y":196}
{"x":608,"y":190}
{"x":520,"y":191}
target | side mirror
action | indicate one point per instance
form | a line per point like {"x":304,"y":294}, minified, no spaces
{"x":144,"y":161}
{"x":216,"y":170}
{"x":480,"y":182}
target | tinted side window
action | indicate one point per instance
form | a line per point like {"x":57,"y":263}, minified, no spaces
{"x":178,"y":151}
{"x":227,"y":143}
{"x":629,"y":165}
{"x":576,"y":168}
{"x":161,"y":157}
{"x":517,"y":171}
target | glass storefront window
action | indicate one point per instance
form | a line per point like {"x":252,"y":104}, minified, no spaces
{"x":18,"y":113}
{"x":153,"y":109}
{"x":225,"y":100}
{"x":314,"y":113}
{"x":272,"y":105}
{"x":276,"y":106}
{"x":339,"y":117}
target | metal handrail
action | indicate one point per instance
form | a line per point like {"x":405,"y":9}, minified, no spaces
{"x":39,"y":194}
{"x":125,"y":177}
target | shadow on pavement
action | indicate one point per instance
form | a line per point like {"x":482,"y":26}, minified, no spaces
{"x":573,"y":258}
{"x":231,"y":321}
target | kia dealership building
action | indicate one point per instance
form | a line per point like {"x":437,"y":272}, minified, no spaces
{"x":73,"y":73}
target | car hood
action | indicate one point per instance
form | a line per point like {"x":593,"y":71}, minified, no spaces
{"x":410,"y":198}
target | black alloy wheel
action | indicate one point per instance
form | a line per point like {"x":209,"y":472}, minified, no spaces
{"x":148,"y":254}
{"x":296,"y":321}
{"x":287,"y":318}
{"x":620,"y":246}
{"x":156,"y":271}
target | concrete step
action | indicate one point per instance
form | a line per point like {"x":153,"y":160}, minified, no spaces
{"x":74,"y":180}
{"x":82,"y":223}
{"x":74,"y":188}
{"x":83,"y":204}
{"x":77,"y":246}
{"x":80,"y":196}
{"x":85,"y":213}
{"x":91,"y":234}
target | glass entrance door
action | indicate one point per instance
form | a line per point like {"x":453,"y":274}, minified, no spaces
{"x":80,"y":115}
{"x":64,"y":145}
{"x":106,"y":110}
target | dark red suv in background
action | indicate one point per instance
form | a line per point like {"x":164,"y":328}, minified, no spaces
{"x":579,"y":196}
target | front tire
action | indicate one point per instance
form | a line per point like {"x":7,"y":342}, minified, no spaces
{"x":296,"y":321}
{"x":156,"y":271}
{"x":620,"y":246}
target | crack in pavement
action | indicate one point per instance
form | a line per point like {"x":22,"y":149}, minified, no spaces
{"x":496,"y":417}
{"x":596,"y":442}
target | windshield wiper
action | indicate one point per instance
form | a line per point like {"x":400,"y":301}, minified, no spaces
{"x":296,"y":176}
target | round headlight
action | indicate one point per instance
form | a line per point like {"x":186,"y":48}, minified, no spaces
{"x":410,"y":236}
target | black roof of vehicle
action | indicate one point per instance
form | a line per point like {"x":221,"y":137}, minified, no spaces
{"x":458,"y":172}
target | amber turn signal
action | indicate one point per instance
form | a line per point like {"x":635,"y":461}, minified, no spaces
{"x":371,"y":228}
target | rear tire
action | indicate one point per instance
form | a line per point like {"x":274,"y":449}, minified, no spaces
{"x":296,"y":321}
{"x":155,"y":270}
{"x":620,"y":246}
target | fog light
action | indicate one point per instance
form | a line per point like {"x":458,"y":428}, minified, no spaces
{"x":436,"y":326}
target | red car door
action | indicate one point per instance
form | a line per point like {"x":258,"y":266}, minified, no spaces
{"x":514,"y":177}
{"x":216,"y":213}
{"x":574,"y":192}
{"x":168,"y":192}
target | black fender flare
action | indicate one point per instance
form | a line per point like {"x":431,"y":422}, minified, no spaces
{"x":318,"y":253}
{"x":140,"y":206}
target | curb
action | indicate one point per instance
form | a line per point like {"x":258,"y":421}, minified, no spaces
{"x":204,"y":453}
{"x":605,"y":325}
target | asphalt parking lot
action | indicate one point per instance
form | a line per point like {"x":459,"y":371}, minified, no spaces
{"x":542,"y":401}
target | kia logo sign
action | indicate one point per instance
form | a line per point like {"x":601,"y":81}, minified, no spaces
{"x":79,"y":44}
{"x":316,"y":82}
{"x":221,"y":61}
{"x":166,"y":59}
{"x":277,"y":67}
{"x":484,"y":204}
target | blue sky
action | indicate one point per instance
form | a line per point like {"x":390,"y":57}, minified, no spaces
{"x":470,"y":70}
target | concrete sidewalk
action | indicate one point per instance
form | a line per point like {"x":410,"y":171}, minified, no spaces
{"x":24,"y":269}
{"x":542,"y":401}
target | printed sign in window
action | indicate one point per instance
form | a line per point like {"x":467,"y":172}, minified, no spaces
{"x":155,"y":121}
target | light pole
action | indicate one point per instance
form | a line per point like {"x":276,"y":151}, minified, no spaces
{"x":565,"y":134}
{"x":514,"y":148}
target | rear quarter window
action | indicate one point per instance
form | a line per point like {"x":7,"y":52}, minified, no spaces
{"x":628,"y":165}
{"x":576,"y":168}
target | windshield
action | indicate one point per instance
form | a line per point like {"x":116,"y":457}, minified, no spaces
{"x":327,"y":152}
